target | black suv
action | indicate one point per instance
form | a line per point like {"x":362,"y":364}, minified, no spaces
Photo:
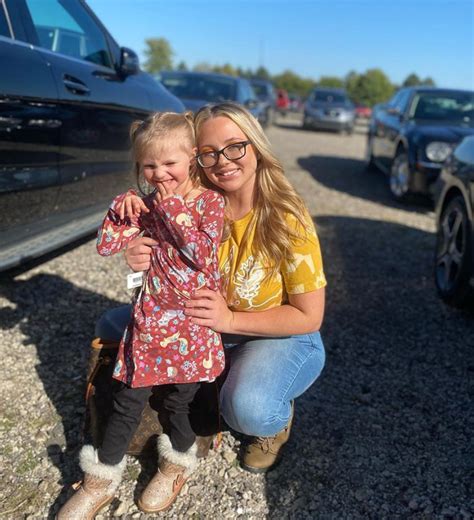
{"x":68,"y":94}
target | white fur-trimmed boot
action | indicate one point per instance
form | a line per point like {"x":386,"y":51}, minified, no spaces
{"x":96,"y":490}
{"x":174,"y":469}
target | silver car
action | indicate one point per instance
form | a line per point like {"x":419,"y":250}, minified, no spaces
{"x":329,"y":109}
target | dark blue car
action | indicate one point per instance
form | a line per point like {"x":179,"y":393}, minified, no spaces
{"x":454,"y":259}
{"x":68,"y":94}
{"x":196,"y":89}
{"x":412,"y":135}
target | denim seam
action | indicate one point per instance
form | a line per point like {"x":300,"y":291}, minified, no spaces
{"x":285,"y":393}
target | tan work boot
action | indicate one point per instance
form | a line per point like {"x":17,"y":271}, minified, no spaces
{"x":173,"y":471}
{"x":96,"y":490}
{"x":263,"y":453}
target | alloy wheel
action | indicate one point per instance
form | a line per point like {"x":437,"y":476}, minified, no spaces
{"x":451,"y":248}
{"x":400,"y":176}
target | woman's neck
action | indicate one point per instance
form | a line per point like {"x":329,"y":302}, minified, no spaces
{"x":239,"y":205}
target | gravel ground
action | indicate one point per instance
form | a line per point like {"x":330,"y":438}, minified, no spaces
{"x":384,"y":433}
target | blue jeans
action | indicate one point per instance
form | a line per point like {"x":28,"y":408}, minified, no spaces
{"x":265,"y":374}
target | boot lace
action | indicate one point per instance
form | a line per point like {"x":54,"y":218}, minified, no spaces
{"x":265,"y":443}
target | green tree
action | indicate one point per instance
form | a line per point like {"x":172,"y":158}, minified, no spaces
{"x":262,"y":73}
{"x":372,"y":87}
{"x":159,"y":55}
{"x":428,"y":82}
{"x":182,"y":66}
{"x":291,"y":82}
{"x":225,"y":69}
{"x":412,"y":80}
{"x":202,"y":66}
{"x":330,"y":81}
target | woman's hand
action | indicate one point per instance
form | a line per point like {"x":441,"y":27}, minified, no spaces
{"x":208,"y":308}
{"x":138,"y":253}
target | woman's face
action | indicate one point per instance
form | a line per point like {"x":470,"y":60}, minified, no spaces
{"x":232,"y":176}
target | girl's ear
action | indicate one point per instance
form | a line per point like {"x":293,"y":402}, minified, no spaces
{"x":194,"y":152}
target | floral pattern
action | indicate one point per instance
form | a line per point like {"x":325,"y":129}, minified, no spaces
{"x":160,"y":344}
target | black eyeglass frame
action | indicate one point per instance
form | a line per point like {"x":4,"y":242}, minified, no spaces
{"x":222,"y":151}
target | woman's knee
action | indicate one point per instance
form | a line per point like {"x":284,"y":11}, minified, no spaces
{"x":253,"y":413}
{"x":112,"y":323}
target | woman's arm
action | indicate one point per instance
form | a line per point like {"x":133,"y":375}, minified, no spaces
{"x":303,"y":314}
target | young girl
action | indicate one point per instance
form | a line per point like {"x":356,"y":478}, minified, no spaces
{"x":160,"y":345}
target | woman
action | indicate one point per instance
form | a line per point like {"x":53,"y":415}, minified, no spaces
{"x":272,"y":302}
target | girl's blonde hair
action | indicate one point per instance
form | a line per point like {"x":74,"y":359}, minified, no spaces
{"x":280,"y":216}
{"x":162,"y":130}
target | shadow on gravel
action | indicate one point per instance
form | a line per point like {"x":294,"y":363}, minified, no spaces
{"x":58,"y":320}
{"x":351,"y":176}
{"x":384,"y":433}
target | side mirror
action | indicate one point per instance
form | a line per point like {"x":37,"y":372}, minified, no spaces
{"x":129,"y":62}
{"x":251,"y":103}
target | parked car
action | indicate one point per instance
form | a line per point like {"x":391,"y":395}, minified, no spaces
{"x":329,"y":109}
{"x":295,"y":103}
{"x":196,"y":89}
{"x":283,"y":101}
{"x":454,"y":258}
{"x":363,"y":112}
{"x":412,"y":135}
{"x":266,"y":94}
{"x":68,"y":94}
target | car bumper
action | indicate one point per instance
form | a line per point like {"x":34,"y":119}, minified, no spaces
{"x":425,"y":176}
{"x":329,"y":123}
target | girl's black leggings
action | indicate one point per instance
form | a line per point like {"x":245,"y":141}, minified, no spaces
{"x":128,"y":407}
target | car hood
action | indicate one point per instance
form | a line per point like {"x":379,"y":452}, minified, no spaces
{"x":445,"y":133}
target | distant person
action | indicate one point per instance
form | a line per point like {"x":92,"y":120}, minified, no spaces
{"x":272,"y":280}
{"x":161,"y":343}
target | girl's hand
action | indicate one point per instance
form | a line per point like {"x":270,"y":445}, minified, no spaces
{"x":209,"y":308}
{"x":138,"y":253}
{"x":131,"y":206}
{"x":164,"y":191}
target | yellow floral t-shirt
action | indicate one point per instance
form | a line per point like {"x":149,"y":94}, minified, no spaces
{"x":243,"y":275}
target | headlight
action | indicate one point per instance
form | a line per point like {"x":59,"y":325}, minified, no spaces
{"x":438,"y":151}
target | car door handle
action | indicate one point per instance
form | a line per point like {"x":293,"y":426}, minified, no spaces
{"x":76,"y":86}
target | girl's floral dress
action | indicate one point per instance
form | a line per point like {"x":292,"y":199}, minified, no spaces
{"x":160,"y":344}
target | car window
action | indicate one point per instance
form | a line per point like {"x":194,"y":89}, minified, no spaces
{"x":4,"y":29}
{"x":323,"y":96}
{"x":402,"y":101}
{"x":192,"y":87}
{"x":454,"y":107}
{"x":247,"y":91}
{"x":66,"y":28}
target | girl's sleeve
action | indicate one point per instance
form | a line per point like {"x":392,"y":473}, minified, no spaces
{"x":115,"y":233}
{"x":304,"y":271}
{"x":198,"y":242}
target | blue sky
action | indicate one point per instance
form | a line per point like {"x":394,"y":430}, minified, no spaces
{"x":313,"y":38}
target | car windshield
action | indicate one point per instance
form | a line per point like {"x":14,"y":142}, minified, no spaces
{"x":260,"y":90}
{"x":195,"y":87}
{"x":457,"y":107}
{"x":322,"y":96}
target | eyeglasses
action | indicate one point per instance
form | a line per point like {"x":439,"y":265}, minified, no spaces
{"x":231,"y":152}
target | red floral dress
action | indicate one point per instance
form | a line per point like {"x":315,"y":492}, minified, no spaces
{"x":160,"y":344}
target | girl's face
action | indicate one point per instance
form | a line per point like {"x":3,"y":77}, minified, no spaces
{"x":169,"y":166}
{"x":237,"y":175}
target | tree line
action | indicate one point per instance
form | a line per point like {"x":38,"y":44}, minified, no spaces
{"x":368,"y":88}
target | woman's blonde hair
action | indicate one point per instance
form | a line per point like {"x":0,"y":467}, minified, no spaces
{"x":159,"y":131}
{"x":275,"y":199}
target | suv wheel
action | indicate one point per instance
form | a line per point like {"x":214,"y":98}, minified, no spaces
{"x":400,"y":177}
{"x":453,"y":260}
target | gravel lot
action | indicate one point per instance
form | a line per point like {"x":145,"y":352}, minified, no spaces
{"x":384,"y":433}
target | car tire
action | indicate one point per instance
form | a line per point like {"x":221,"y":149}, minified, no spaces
{"x":369,"y":156}
{"x":453,"y":258}
{"x":400,"y":177}
{"x":306,"y":125}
